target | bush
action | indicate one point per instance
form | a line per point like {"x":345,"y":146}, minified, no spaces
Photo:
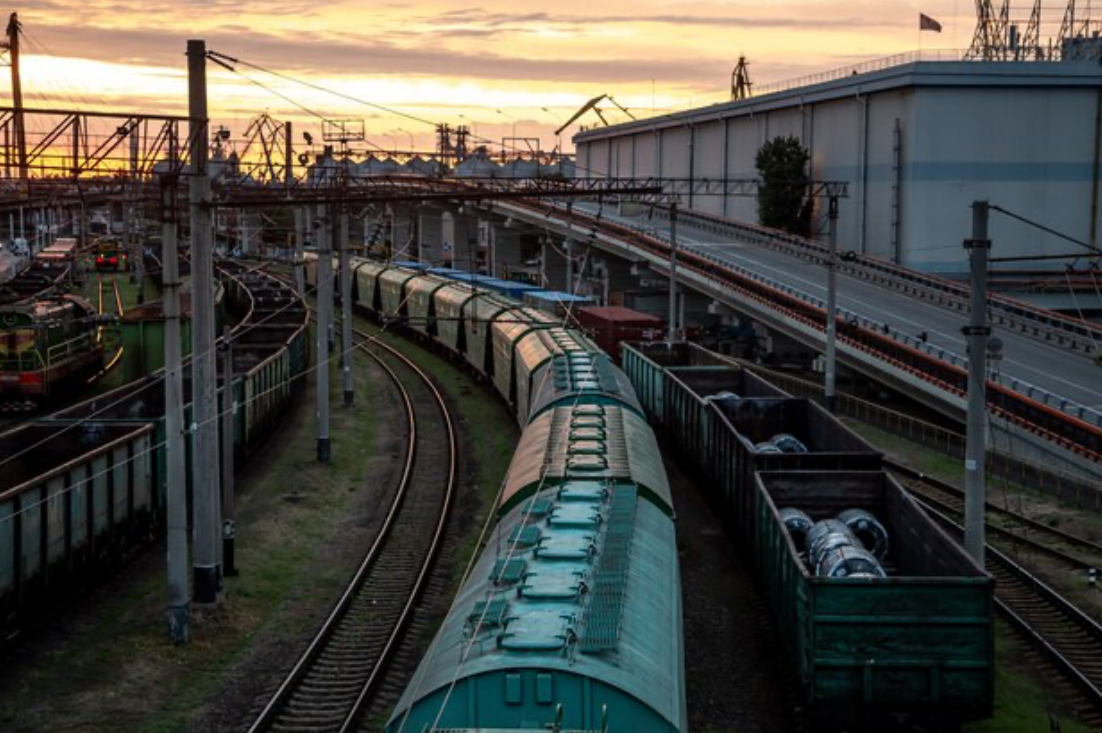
{"x":783,"y":200}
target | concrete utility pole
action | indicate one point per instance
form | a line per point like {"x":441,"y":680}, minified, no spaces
{"x":206,"y":492}
{"x":134,"y":228}
{"x":17,"y":95}
{"x":288,"y":155}
{"x":325,"y":317}
{"x":672,"y":328}
{"x":175,"y":448}
{"x":300,"y":243}
{"x":977,"y":331}
{"x":831,"y":307}
{"x":229,"y":411}
{"x":346,"y":311}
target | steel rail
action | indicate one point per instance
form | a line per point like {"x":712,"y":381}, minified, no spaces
{"x":913,"y":479}
{"x":1066,"y":653}
{"x":438,"y":534}
{"x":340,"y":610}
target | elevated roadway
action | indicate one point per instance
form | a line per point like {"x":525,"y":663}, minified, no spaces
{"x":1028,"y":361}
{"x":900,"y":328}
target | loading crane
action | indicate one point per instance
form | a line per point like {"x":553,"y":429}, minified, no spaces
{"x":592,"y":105}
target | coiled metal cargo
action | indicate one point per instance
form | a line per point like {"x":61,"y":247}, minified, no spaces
{"x":848,"y":561}
{"x":868,"y":529}
{"x":798,"y":525}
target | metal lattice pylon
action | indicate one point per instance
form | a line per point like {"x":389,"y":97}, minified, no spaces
{"x":989,"y":39}
{"x":1030,"y":45}
{"x":1067,"y":26}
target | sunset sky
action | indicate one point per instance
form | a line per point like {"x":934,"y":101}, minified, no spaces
{"x":458,"y":62}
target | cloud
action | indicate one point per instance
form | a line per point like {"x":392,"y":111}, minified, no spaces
{"x":354,"y":54}
{"x":478,"y":17}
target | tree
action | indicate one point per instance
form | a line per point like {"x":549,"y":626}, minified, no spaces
{"x":783,"y":201}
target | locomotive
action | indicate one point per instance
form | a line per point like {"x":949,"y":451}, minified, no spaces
{"x":46,"y":346}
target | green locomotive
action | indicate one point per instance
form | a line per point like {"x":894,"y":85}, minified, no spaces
{"x":46,"y":346}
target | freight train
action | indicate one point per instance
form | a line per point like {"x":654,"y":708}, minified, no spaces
{"x":880,"y":653}
{"x":571,"y":617}
{"x":46,"y":346}
{"x":81,"y":488}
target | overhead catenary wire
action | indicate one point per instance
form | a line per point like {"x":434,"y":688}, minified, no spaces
{"x":358,"y":100}
{"x":1078,"y":309}
{"x":218,"y":59}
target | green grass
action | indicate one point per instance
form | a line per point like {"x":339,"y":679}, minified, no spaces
{"x":923,"y":459}
{"x":121,"y":672}
{"x":1000,"y":492}
{"x":1020,"y":703}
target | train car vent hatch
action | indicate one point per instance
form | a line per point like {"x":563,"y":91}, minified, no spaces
{"x":590,"y":492}
{"x":577,"y":515}
{"x":524,"y":537}
{"x":538,"y":630}
{"x":605,"y":609}
{"x":508,"y":571}
{"x":488,"y":613}
{"x":539,"y":508}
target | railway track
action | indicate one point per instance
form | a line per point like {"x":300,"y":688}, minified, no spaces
{"x":340,"y":672}
{"x":1063,"y":638}
{"x":101,"y":331}
{"x":1077,"y":553}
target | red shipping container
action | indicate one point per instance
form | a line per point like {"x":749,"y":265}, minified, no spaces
{"x":612,"y":325}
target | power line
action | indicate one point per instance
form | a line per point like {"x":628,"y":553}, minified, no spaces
{"x":214,"y":56}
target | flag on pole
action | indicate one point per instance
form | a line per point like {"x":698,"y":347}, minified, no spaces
{"x":926,"y":23}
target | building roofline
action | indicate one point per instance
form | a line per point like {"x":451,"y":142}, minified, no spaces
{"x":972,"y":74}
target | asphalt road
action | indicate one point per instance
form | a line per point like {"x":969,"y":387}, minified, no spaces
{"x":1059,"y":371}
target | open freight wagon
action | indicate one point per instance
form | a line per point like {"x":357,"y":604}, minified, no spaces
{"x":919,"y":641}
{"x":716,"y":416}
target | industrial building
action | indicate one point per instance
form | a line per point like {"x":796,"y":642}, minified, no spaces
{"x":918,"y":140}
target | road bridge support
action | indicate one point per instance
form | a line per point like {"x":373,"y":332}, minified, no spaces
{"x":402,"y":225}
{"x":430,"y":235}
{"x":459,"y":234}
{"x":503,"y":245}
{"x":554,"y":267}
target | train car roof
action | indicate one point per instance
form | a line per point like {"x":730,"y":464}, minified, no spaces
{"x":596,"y":442}
{"x":518,"y":610}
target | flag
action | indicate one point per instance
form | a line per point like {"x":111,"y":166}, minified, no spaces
{"x":926,"y":23}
